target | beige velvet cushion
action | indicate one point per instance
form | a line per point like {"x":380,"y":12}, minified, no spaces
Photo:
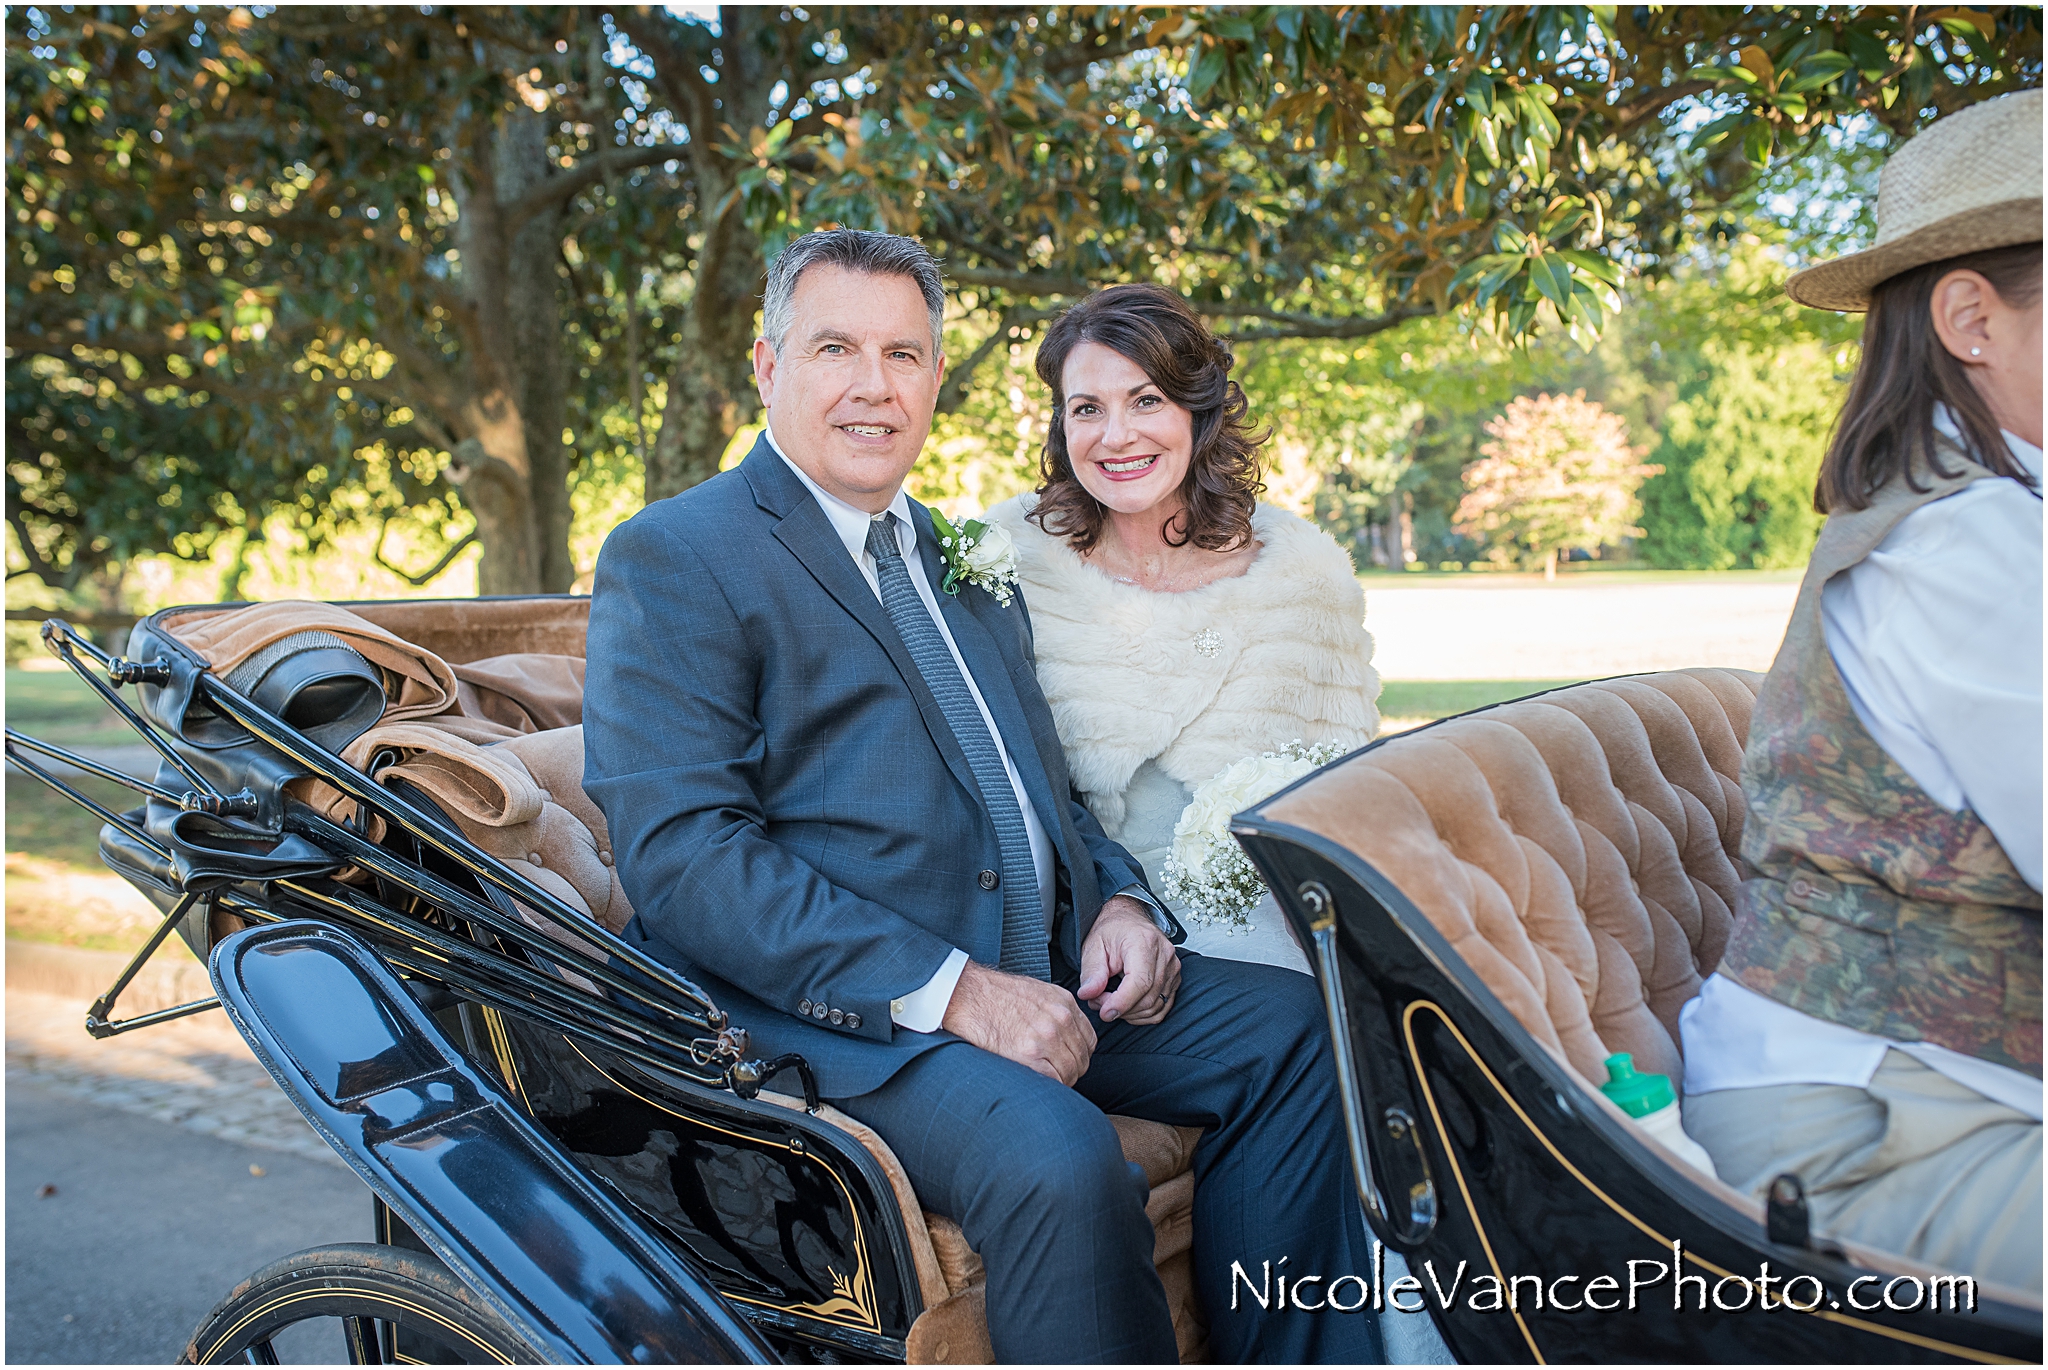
{"x":454,"y":630}
{"x":1578,"y":850}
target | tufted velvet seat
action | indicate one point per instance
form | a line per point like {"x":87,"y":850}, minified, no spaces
{"x":1578,"y":849}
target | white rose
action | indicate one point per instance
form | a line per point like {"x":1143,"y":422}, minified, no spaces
{"x":1245,"y":783}
{"x":1205,"y":823}
{"x":994,"y":554}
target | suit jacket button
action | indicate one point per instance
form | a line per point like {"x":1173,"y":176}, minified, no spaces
{"x":818,"y":1011}
{"x":837,"y":1017}
{"x":803,"y":1006}
{"x":853,"y":1021}
{"x":989,"y":880}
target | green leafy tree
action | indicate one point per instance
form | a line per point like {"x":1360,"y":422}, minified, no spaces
{"x":1559,"y":473}
{"x":1518,"y":157}
{"x":1741,"y":386}
{"x":357,"y":264}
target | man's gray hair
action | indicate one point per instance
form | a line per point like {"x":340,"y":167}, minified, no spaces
{"x":856,"y":249}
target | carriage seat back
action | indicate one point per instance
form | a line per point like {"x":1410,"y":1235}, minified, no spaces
{"x":1578,"y":849}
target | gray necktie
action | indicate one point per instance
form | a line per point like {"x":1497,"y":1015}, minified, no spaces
{"x":1024,"y":936}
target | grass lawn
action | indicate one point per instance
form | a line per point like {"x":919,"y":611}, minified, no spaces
{"x":57,"y":890}
{"x":1418,"y":701}
{"x":41,"y":822}
{"x":59,"y":708}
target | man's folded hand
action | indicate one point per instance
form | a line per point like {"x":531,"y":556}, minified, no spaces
{"x":1028,"y":1021}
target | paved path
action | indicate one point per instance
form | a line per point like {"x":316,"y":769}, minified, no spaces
{"x":151,"y":1144}
{"x":147,"y":1226}
{"x":1505,"y":627}
{"x":195,"y":1073}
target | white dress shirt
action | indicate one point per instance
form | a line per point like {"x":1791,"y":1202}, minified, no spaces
{"x":1937,"y":638}
{"x":922,"y":1009}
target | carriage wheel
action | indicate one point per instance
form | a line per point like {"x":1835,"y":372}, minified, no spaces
{"x":389,"y":1305}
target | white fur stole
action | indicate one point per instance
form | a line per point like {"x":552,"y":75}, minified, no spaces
{"x":1128,"y":680}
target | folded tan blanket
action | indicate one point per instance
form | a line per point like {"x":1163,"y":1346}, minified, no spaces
{"x":417,"y":684}
{"x":528,"y":692}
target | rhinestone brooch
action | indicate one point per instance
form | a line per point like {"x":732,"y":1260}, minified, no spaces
{"x":1208,"y":642}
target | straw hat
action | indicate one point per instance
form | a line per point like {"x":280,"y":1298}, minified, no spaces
{"x":1966,"y":183}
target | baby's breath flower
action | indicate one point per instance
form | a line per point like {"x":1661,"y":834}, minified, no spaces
{"x":1207,"y":872}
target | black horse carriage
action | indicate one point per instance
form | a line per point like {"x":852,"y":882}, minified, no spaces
{"x":368,"y":820}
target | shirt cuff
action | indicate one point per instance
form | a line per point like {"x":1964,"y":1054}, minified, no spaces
{"x":1144,"y":896}
{"x":922,"y":1010}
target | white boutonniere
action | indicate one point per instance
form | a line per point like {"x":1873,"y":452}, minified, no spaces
{"x":977,"y":553}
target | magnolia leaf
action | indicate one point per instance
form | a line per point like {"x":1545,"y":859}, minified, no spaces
{"x":1209,"y":69}
{"x":1480,"y":266}
{"x":1479,"y":92}
{"x":1552,"y":279}
{"x":1600,"y":268}
{"x":1756,"y":144}
{"x":1489,"y":140}
{"x":1967,"y":23}
{"x":1757,"y":61}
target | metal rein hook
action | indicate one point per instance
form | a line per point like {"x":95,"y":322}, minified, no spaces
{"x":748,"y":1077}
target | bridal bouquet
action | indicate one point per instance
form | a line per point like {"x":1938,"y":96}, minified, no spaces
{"x":1207,"y":871}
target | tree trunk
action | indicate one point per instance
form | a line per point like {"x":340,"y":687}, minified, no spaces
{"x":1550,"y":564}
{"x":511,"y":464}
{"x":711,"y":392}
{"x":533,"y":304}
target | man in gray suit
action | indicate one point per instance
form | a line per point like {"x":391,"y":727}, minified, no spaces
{"x":839,"y":804}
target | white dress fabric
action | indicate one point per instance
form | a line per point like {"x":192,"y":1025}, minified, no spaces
{"x":1155,"y":693}
{"x":1937,"y":638}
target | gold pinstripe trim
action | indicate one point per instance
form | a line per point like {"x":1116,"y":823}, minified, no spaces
{"x":1408,"y":1029}
{"x":289,"y":1297}
{"x":1458,"y":1171}
{"x":501,"y":1047}
{"x":856,"y":1294}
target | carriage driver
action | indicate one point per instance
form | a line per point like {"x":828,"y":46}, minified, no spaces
{"x":1875,"y":1026}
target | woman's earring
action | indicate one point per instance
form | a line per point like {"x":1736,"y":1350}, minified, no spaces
{"x":1976,"y":351}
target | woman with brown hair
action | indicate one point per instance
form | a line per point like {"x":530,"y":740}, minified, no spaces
{"x":1874,"y":1027}
{"x":1179,"y":625}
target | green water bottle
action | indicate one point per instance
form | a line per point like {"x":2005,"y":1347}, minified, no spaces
{"x":1649,"y":1100}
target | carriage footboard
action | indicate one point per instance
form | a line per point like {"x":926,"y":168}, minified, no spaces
{"x":438,"y":1142}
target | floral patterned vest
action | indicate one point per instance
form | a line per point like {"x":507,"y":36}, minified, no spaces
{"x":1868,"y":904}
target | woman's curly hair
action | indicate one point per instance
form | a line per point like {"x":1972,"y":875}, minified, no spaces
{"x":1155,"y":329}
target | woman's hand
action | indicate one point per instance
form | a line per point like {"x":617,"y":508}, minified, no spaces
{"x":1125,"y":941}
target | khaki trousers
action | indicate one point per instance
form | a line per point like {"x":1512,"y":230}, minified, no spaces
{"x":1913,"y":1163}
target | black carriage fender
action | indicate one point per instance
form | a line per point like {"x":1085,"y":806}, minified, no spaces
{"x":436,"y":1139}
